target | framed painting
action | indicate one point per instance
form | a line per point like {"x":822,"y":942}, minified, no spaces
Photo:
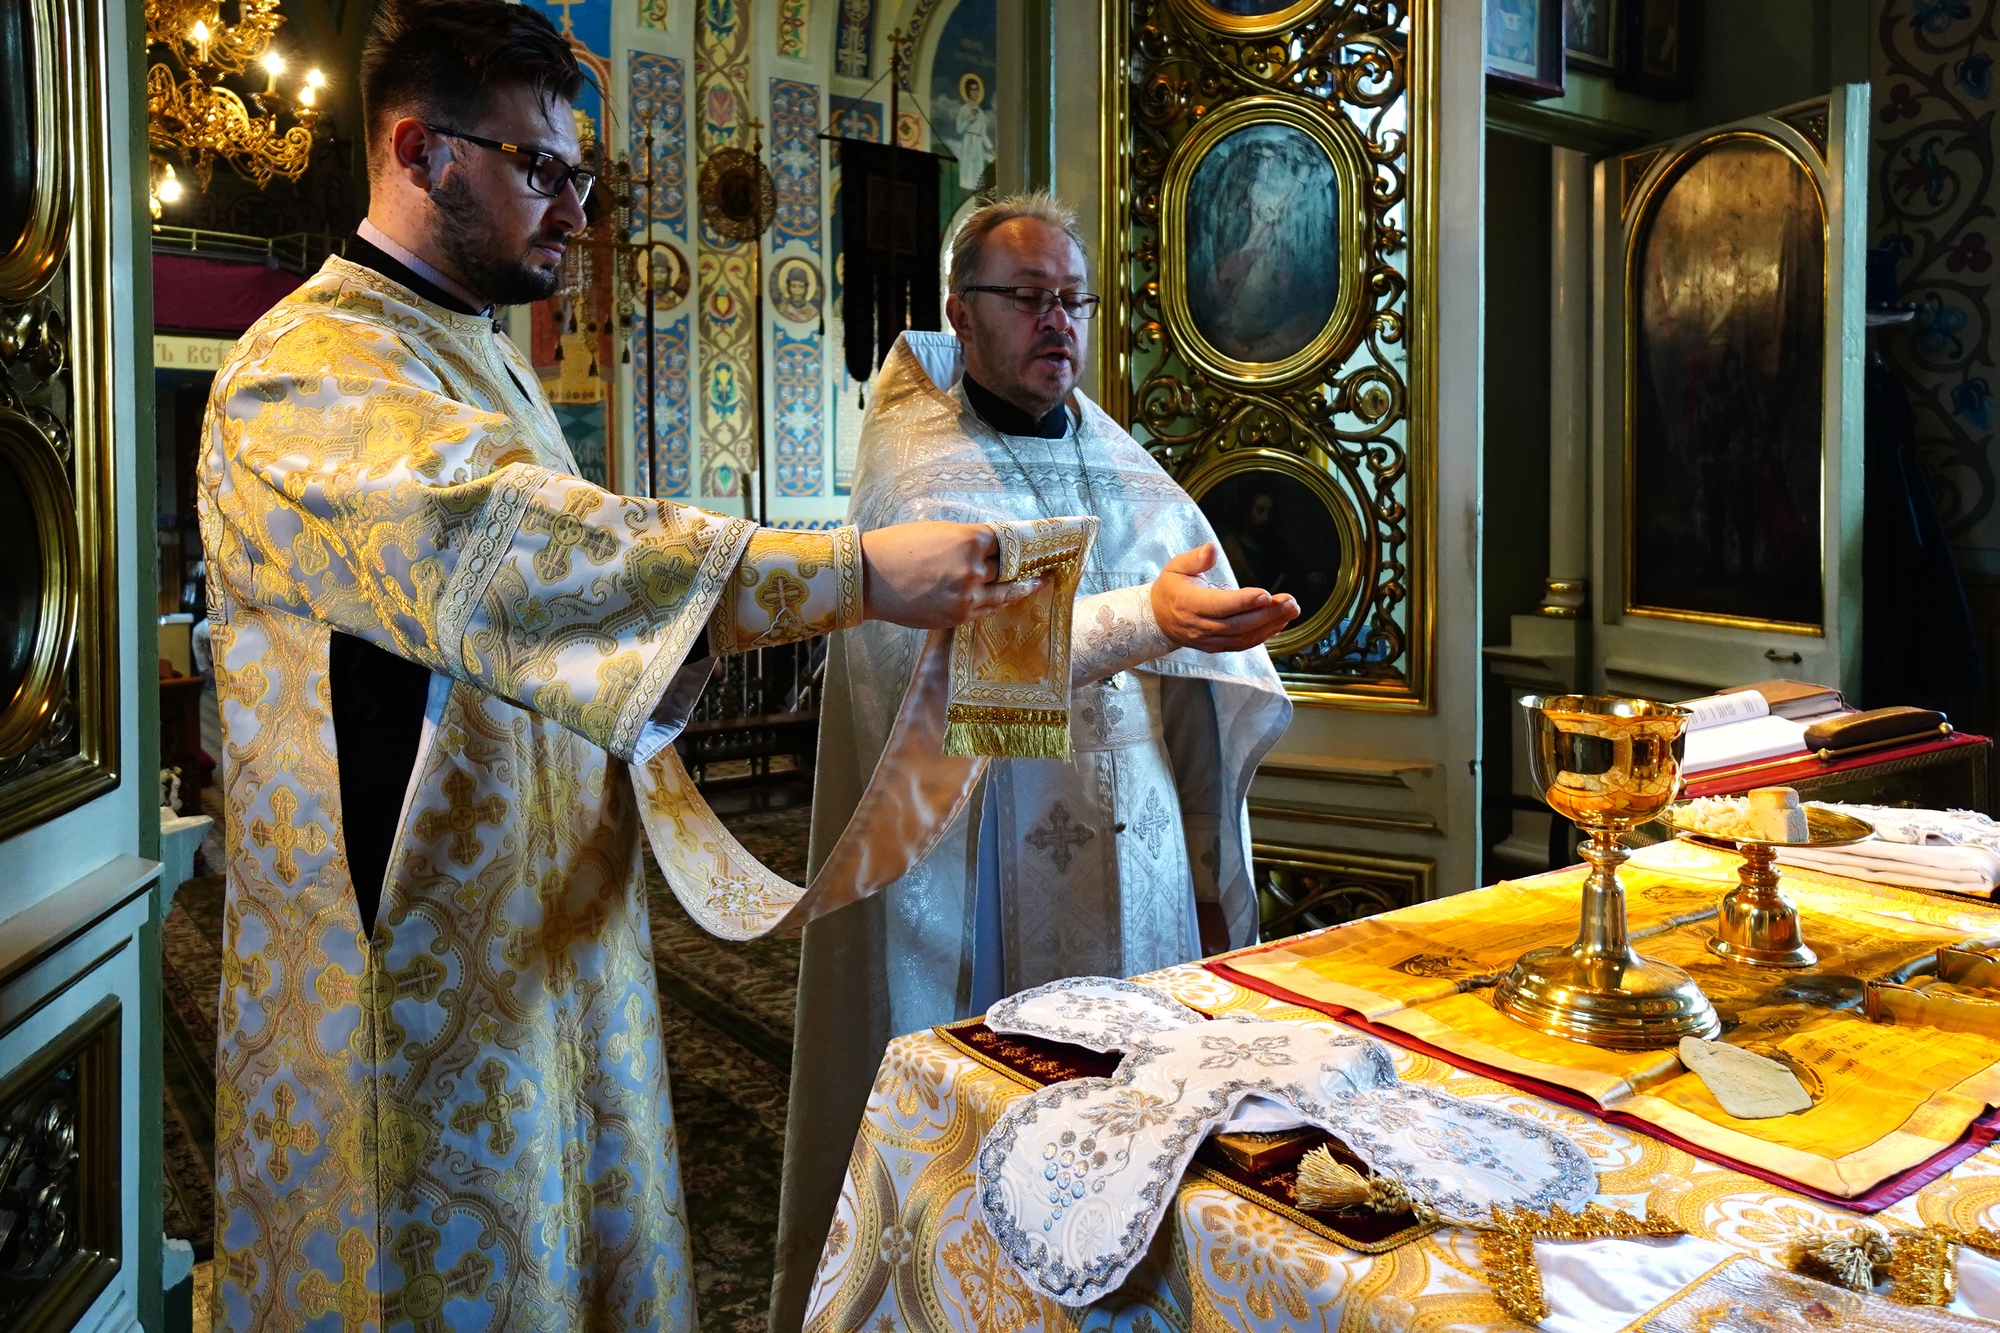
{"x":1657,"y":48}
{"x":1726,"y":309}
{"x":1591,"y":36}
{"x":1263,"y":241}
{"x":1524,"y":47}
{"x":1285,"y":526}
{"x":1250,"y":18}
{"x":59,"y":681}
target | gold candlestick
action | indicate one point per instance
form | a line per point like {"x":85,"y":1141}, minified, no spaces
{"x":1606,"y":764}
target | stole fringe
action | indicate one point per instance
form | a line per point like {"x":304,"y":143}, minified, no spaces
{"x":1006,"y":733}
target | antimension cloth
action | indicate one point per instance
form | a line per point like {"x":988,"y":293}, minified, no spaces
{"x":459,"y":1118}
{"x":1098,"y":860}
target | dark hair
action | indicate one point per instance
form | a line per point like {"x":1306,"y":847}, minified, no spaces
{"x":442,"y":59}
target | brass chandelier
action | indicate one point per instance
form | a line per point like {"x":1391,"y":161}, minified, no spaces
{"x":193,"y":114}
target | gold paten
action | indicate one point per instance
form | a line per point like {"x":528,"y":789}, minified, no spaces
{"x":1757,"y":923}
{"x":1606,"y":764}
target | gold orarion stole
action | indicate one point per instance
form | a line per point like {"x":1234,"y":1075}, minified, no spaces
{"x":1010,"y":671}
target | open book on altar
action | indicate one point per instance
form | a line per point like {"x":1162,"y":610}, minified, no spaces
{"x":1753,"y":722}
{"x":1886,"y":1098}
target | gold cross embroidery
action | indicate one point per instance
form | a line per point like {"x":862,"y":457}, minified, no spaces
{"x":568,"y":532}
{"x":349,"y":1296}
{"x":237,"y":1266}
{"x":283,"y":1133}
{"x":782,"y":597}
{"x":496,"y":1110}
{"x":595,"y":719}
{"x":285,"y":836}
{"x":559,"y":930}
{"x":422,"y":1299}
{"x":463,"y":817}
{"x":240,"y":972}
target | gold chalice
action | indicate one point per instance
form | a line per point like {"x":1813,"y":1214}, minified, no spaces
{"x":1757,"y":923}
{"x":1606,"y":764}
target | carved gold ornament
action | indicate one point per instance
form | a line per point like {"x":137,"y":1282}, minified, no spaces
{"x":32,"y":59}
{"x":1279,"y":166}
{"x":195,"y":115}
{"x":738,"y":197}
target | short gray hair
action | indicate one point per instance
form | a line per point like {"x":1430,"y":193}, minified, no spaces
{"x":968,"y":248}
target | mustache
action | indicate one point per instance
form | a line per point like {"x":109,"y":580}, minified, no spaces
{"x":1055,"y":340}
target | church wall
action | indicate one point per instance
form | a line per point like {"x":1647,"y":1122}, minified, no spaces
{"x":1932,"y":187}
{"x":697,"y":75}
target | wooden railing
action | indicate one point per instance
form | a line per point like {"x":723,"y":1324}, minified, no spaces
{"x":757,"y":725}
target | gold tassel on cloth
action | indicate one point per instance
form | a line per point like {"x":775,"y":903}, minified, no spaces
{"x":1845,"y":1258}
{"x":1506,"y":1245}
{"x":1326,"y":1183}
{"x":1010,"y":671}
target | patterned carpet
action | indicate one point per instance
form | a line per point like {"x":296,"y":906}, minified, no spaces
{"x":726,"y":1013}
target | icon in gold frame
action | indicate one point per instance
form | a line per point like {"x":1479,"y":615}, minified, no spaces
{"x":1301,"y":178}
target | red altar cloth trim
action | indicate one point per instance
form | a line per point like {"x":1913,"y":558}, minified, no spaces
{"x":1785,"y":769}
{"x":1896,"y":1188}
{"x":215,"y":295}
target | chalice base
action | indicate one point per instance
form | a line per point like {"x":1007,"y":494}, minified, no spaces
{"x":1761,"y":927}
{"x":1635,"y":1004}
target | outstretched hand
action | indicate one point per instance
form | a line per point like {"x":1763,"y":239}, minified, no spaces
{"x":935,"y":575}
{"x":1199,"y":615}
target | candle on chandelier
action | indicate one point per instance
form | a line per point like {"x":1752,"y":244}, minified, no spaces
{"x":274,"y":65}
{"x":200,"y":34}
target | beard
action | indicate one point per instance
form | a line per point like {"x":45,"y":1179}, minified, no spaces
{"x":466,"y":236}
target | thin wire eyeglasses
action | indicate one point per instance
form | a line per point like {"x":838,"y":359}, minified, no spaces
{"x":547,"y":173}
{"x":1040,"y":300}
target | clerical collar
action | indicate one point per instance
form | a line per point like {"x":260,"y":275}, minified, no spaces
{"x":373,"y":248}
{"x":1008,"y":419}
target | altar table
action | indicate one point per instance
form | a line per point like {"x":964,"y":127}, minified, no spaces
{"x":909,"y":1251}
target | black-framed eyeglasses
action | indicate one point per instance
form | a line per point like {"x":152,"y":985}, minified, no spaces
{"x":1040,"y":300}
{"x":547,"y":173}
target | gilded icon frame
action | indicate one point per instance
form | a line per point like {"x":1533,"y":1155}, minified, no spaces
{"x":1318,"y":478}
{"x":34,"y":459}
{"x":1368,"y":416}
{"x":1344,"y":322}
{"x":57,"y":388}
{"x":1238,"y":25}
{"x":1658,"y":176}
{"x":28,"y":261}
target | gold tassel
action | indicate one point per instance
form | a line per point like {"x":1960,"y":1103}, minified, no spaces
{"x":1845,"y":1258}
{"x":1326,"y":1183}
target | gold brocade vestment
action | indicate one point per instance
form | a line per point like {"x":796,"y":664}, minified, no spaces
{"x":460,"y":1121}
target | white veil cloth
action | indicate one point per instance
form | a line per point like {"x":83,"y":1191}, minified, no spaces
{"x":1097,"y":860}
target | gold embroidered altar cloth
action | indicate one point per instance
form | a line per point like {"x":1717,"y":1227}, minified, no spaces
{"x":910,"y":1251}
{"x":1885,"y":1098}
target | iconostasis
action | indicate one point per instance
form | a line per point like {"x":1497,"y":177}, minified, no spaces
{"x":662,"y":393}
